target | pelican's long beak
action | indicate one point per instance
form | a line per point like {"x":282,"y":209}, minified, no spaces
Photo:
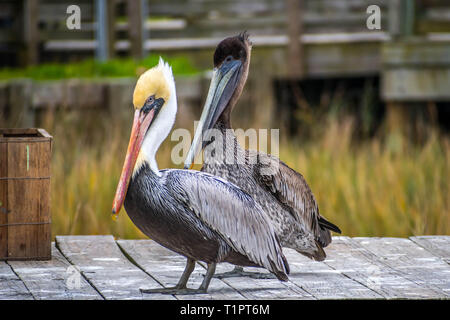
{"x":141,"y":124}
{"x":223,"y":84}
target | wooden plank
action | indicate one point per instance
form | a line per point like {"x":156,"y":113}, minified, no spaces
{"x":437,"y":245}
{"x":420,"y":84}
{"x":11,"y":287}
{"x":31,"y":32}
{"x":50,"y":279}
{"x":105,"y":267}
{"x":348,"y":257}
{"x":417,"y":53}
{"x":415,"y":262}
{"x":322,"y":281}
{"x":166,"y":267}
{"x":211,"y":42}
{"x":135,"y":25}
{"x":4,"y":211}
{"x":25,"y":238}
{"x":196,"y":9}
{"x":55,"y":11}
{"x":265,"y":289}
{"x":294,"y":30}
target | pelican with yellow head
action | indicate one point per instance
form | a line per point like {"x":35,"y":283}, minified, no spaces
{"x":195,"y":214}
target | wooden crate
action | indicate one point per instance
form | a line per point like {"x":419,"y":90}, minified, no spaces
{"x":25,"y":221}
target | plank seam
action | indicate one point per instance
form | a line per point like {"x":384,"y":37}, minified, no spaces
{"x":364,"y":285}
{"x":18,"y":277}
{"x":347,"y":276}
{"x":226,"y":282}
{"x":428,"y":250}
{"x":81,"y":271}
{"x":130,"y":258}
{"x":404,"y":274}
{"x":304,"y":289}
{"x":374,"y":259}
{"x":297,"y":287}
{"x":250,"y":298}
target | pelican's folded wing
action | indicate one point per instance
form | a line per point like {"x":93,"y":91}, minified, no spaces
{"x":232,"y":213}
{"x":291,"y":189}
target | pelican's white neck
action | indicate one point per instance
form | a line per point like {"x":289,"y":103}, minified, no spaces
{"x":158,"y":131}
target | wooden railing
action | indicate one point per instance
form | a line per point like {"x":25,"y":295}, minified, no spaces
{"x":173,"y":24}
{"x":334,"y":40}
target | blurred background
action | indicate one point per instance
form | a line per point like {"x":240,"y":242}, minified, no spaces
{"x":362,"y":100}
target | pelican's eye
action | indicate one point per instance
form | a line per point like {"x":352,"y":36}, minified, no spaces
{"x":149,"y":104}
{"x":153,"y":103}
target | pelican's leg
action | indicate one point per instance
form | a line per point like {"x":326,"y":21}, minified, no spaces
{"x":181,"y":285}
{"x":180,"y":288}
{"x":190,"y":266}
{"x":238,"y":271}
{"x":207,"y":279}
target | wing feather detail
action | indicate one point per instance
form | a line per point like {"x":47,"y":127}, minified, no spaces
{"x":292,"y":190}
{"x":232,"y":213}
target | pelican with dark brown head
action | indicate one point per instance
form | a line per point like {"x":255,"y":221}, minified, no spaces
{"x":282,"y":192}
{"x":231,"y":66}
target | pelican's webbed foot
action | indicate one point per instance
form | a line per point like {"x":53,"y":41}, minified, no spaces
{"x":174,"y":290}
{"x":181,"y":288}
{"x":239,"y":272}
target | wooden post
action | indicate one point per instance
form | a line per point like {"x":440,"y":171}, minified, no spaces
{"x":101,"y":52}
{"x":296,"y":68}
{"x":295,"y":29}
{"x":409,"y":21}
{"x":31,"y":32}
{"x":401,"y":18}
{"x":394,"y":18}
{"x":111,"y":8}
{"x":135,"y":28}
{"x":145,"y":33}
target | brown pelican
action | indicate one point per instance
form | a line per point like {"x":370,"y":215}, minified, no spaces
{"x":195,"y":214}
{"x":282,"y":192}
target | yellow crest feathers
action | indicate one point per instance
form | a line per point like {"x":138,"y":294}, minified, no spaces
{"x":152,"y":82}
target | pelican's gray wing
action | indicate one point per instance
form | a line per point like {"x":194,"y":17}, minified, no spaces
{"x":291,"y":189}
{"x":232,"y":213}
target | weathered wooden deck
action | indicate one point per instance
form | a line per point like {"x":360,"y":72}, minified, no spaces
{"x":356,"y":268}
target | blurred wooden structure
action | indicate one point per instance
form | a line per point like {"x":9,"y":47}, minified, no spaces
{"x":25,"y":230}
{"x":333,"y":39}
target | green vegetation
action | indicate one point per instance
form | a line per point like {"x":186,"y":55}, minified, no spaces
{"x":94,"y":69}
{"x":382,"y":186}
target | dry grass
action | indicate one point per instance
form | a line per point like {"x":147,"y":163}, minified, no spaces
{"x":381,"y":187}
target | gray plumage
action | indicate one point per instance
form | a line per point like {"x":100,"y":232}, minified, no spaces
{"x":282,"y":192}
{"x":204,"y":218}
